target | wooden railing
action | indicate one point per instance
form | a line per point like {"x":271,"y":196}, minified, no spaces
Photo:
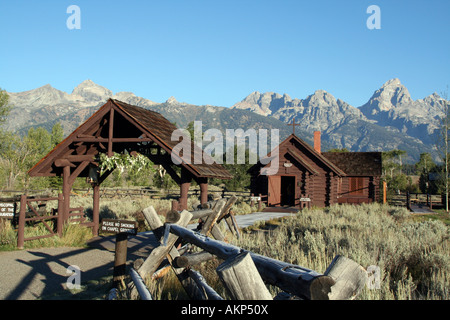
{"x":29,"y":212}
{"x":243,"y":273}
{"x":33,"y":209}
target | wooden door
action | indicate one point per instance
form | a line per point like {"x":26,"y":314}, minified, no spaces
{"x":274,"y":192}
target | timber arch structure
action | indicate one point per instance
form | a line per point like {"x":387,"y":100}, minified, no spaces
{"x":119,"y":127}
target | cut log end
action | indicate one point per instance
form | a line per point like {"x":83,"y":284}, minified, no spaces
{"x":172,"y":216}
{"x":181,"y":262}
{"x":321,"y":287}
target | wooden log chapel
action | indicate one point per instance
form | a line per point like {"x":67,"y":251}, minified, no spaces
{"x":120,"y":127}
{"x":308,"y":177}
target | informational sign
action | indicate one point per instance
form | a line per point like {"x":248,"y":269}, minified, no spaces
{"x":305,"y":199}
{"x":118,"y":226}
{"x":7,"y":210}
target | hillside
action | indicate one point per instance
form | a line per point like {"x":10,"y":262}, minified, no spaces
{"x":389,"y":120}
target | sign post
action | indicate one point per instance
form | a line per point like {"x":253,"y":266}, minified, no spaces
{"x":121,"y":228}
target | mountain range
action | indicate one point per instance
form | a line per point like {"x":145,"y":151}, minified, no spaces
{"x":391,"y":119}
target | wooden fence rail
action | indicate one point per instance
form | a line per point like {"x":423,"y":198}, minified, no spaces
{"x":38,"y":216}
{"x":34,"y":209}
{"x":244,"y":274}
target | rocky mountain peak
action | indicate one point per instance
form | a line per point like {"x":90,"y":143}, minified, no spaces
{"x":172,"y":100}
{"x":389,"y":97}
{"x":32,"y":99}
{"x":89,"y":90}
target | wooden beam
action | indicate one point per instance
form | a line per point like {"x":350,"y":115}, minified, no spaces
{"x":60,"y":163}
{"x":212,"y":219}
{"x":110,"y":132}
{"x":80,"y":157}
{"x":192,"y":259}
{"x":77,"y":171}
{"x":66,"y":193}
{"x":93,"y":139}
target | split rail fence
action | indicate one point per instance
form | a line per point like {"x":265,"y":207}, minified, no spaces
{"x":33,"y":210}
{"x":244,"y":274}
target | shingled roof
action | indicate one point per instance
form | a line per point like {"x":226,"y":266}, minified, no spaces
{"x":117,"y":123}
{"x":357,"y":163}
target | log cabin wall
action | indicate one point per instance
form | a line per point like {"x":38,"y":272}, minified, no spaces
{"x":320,"y":179}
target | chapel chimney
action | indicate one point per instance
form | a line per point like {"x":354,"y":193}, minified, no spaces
{"x":317,"y":141}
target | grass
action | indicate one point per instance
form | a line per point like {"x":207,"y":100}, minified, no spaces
{"x":413,"y":256}
{"x":439,"y":215}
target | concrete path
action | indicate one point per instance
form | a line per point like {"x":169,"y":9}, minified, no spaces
{"x":247,"y":220}
{"x":421,"y":208}
{"x":31,"y":274}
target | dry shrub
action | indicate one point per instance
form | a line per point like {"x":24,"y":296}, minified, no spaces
{"x":414,"y":257}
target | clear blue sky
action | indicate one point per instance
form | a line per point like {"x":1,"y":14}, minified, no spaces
{"x":217,"y":52}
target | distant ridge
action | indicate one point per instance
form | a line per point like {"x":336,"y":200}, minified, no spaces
{"x":389,"y":120}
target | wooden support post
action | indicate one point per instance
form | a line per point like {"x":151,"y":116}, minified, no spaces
{"x":22,"y":216}
{"x":120,"y":259}
{"x":241,"y":278}
{"x":350,"y":278}
{"x":110,"y":132}
{"x":96,"y":208}
{"x":384,"y":192}
{"x":203,"y":190}
{"x":174,"y":205}
{"x":184,"y":188}
{"x":66,"y":193}
{"x":59,"y":220}
{"x":408,"y":200}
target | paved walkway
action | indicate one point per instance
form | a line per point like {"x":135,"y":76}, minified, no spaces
{"x":421,"y":208}
{"x":31,"y":274}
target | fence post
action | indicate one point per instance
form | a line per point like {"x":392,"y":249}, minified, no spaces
{"x":60,"y":218}
{"x":21,"y":231}
{"x":120,"y":259}
{"x":408,"y":200}
{"x":242,"y":279}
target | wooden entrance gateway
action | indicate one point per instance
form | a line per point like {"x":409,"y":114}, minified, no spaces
{"x":120,"y":127}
